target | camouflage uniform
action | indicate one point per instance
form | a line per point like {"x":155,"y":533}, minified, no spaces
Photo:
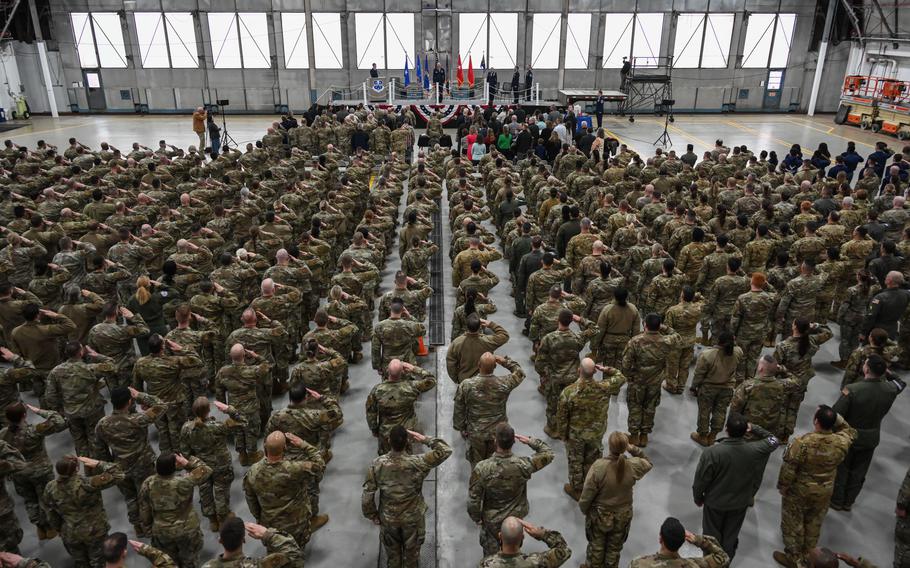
{"x":540,"y":282}
{"x":198,"y":343}
{"x":162,"y":376}
{"x":750,"y":323}
{"x":480,"y":404}
{"x":116,"y":341}
{"x":165,"y":505}
{"x":395,"y":339}
{"x":269,"y":343}
{"x":598,"y":294}
{"x":557,"y":364}
{"x":398,"y":478}
{"x":662,"y":291}
{"x":282,"y":552}
{"x":21,"y":373}
{"x":713,"y":383}
{"x":207,"y":440}
{"x":757,"y":254}
{"x":391,"y":403}
{"x":31,"y":479}
{"x":902,"y":527}
{"x":581,"y":418}
{"x":498,"y":489}
{"x":76,"y":510}
{"x":850,"y":315}
{"x":721,"y":299}
{"x":72,"y":389}
{"x":544,"y":318}
{"x":787,"y":354}
{"x":798,"y":300}
{"x":714,"y":557}
{"x":241,"y":386}
{"x":684,"y":318}
{"x":10,"y":462}
{"x":644,"y":363}
{"x":767,"y":400}
{"x":853,"y":370}
{"x":607,"y":506}
{"x":323,"y":373}
{"x":557,"y":554}
{"x":277,"y":492}
{"x":125,"y":435}
{"x":806,"y":482}
{"x":313,"y":421}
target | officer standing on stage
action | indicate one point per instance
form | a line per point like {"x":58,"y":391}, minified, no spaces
{"x":439,"y":76}
{"x":516,"y":84}
{"x":493,"y":81}
{"x":599,"y":107}
{"x":529,"y":80}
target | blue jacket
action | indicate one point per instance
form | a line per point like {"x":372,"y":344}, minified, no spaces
{"x":852,"y":160}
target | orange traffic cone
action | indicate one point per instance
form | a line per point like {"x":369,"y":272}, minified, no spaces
{"x":421,"y":347}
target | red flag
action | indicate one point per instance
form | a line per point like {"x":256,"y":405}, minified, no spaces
{"x":459,"y":75}
{"x":470,"y":71}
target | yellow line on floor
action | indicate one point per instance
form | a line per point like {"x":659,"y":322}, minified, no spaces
{"x":676,"y":129}
{"x":805,"y":124}
{"x":681,"y":132}
{"x":63,"y":127}
{"x":756,"y":132}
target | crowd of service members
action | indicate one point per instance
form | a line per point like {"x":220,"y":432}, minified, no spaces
{"x":167,"y":284}
{"x":633,"y":262}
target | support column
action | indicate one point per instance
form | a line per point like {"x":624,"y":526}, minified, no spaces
{"x":822,"y":52}
{"x":311,"y":50}
{"x":563,"y":31}
{"x":42,"y":57}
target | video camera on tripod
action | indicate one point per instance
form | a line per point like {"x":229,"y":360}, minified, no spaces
{"x":218,"y":109}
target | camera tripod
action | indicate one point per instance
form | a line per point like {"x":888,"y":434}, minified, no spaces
{"x":664,"y":139}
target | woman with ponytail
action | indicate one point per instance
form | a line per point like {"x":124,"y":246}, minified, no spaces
{"x":795,"y":354}
{"x":30,"y":480}
{"x":599,"y":292}
{"x":149,"y":305}
{"x":606,"y":499}
{"x":474,"y":303}
{"x":713,"y":383}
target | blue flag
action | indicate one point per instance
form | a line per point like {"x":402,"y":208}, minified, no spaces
{"x":407,"y":72}
{"x":483,"y":62}
{"x":426,"y":71}
{"x":417,"y":68}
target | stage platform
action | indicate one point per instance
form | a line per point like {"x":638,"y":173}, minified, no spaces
{"x":575,"y":95}
{"x":444,"y":102}
{"x":448,"y":108}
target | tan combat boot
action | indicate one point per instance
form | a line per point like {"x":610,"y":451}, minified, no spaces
{"x":712,"y":437}
{"x":571,"y":492}
{"x":243,"y":458}
{"x":214,"y":523}
{"x":642,"y":441}
{"x":700,"y":440}
{"x":254,"y":457}
{"x":633,"y":439}
{"x":318,"y":522}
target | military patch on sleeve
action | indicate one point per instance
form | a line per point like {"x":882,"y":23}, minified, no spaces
{"x":876,"y":301}
{"x":773,"y":441}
